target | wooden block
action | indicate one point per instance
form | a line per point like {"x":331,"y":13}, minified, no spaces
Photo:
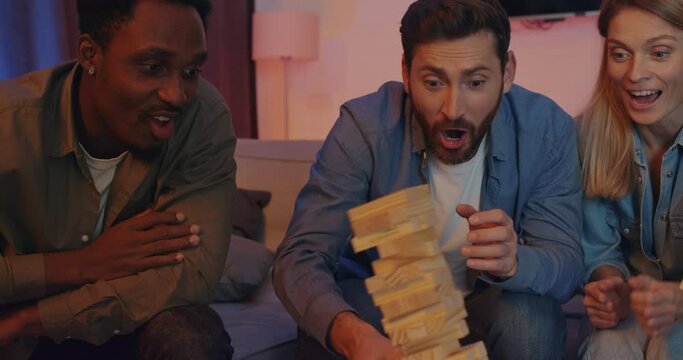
{"x":436,"y":348}
{"x":436,"y":281}
{"x":387,"y":266}
{"x":393,"y":273}
{"x":407,"y":195}
{"x":421,"y":228}
{"x":424,"y":324}
{"x":420,"y":299}
{"x":476,"y":351}
{"x":409,"y":248}
{"x":427,"y":279}
{"x":390,"y":217}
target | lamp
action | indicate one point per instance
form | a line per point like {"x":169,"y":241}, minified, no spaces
{"x":285,"y":35}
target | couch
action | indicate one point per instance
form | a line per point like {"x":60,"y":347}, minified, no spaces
{"x":258,"y":324}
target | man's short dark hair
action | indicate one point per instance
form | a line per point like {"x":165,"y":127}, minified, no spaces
{"x":102,"y":18}
{"x":427,"y":21}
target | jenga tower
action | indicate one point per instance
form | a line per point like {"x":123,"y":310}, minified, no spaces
{"x":422,"y":312}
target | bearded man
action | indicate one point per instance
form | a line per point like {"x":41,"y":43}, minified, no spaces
{"x":502,"y":166}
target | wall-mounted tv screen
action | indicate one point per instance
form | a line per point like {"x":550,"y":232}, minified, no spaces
{"x":549,"y":7}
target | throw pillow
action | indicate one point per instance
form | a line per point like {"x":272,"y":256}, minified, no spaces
{"x":246,"y":267}
{"x":247,"y":218}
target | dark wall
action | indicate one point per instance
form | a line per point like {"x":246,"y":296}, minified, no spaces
{"x":229,"y":66}
{"x":536,"y":7}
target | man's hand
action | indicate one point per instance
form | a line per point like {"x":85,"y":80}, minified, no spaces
{"x":149,"y":240}
{"x":356,"y":339}
{"x":654,"y":304}
{"x":494,"y":242}
{"x":606,"y":301}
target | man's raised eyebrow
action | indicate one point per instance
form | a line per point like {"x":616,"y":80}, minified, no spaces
{"x":442,"y":73}
{"x":476,"y":69}
{"x":154,"y":52}
{"x":436,"y":70}
{"x":157,"y":52}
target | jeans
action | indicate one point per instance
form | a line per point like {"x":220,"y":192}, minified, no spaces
{"x":512,"y":325}
{"x":626,"y":341}
{"x":184,"y":332}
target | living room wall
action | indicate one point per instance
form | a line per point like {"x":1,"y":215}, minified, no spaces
{"x":360,"y":49}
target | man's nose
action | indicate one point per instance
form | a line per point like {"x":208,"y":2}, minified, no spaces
{"x":452,"y":106}
{"x":173,"y":92}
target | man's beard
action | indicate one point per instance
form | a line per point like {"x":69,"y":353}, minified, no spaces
{"x":467,"y":151}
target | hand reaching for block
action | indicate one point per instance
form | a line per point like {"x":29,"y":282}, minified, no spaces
{"x":494,"y":241}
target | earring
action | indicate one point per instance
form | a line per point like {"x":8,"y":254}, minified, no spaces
{"x":91,"y":71}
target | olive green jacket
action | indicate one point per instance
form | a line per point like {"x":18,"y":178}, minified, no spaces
{"x":48,"y":203}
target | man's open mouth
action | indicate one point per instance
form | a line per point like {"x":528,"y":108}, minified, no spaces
{"x":453,"y":138}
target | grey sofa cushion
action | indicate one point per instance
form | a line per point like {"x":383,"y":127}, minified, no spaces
{"x":248,"y":263}
{"x":247,"y":220}
{"x":259,"y":327}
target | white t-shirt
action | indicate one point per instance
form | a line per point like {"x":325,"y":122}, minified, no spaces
{"x":452,"y":185}
{"x":102,"y":172}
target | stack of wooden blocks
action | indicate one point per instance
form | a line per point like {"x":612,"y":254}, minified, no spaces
{"x":422,"y":312}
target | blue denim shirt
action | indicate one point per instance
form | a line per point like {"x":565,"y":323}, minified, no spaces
{"x":376,"y":147}
{"x":635,"y":234}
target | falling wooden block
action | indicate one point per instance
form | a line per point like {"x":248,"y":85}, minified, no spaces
{"x":409,"y":248}
{"x":399,"y":198}
{"x":389,"y":218}
{"x":433,"y":280}
{"x":419,"y":299}
{"x":476,"y":351}
{"x":387,"y":266}
{"x":430,"y":322}
{"x":417,"y":229}
{"x":393,"y":272}
{"x":436,"y":348}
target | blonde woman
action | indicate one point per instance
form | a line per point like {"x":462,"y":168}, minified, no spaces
{"x":632,"y":149}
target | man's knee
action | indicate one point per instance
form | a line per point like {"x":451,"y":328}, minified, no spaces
{"x":527,"y":325}
{"x":184,"y":332}
{"x":541,"y":313}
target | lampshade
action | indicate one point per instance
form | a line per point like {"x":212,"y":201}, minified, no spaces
{"x":285,"y":34}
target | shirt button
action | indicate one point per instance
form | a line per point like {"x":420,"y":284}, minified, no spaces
{"x":669,"y":173}
{"x":637,"y":152}
{"x":117,"y":331}
{"x":85,"y":238}
{"x":627,"y":231}
{"x":662,"y":217}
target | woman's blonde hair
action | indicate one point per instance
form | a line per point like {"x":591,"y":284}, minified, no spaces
{"x":606,"y":140}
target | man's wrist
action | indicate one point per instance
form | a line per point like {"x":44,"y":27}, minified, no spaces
{"x":604,"y":272}
{"x":342,"y":331}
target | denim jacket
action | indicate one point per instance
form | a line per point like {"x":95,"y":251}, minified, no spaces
{"x":376,"y":147}
{"x":635,"y":234}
